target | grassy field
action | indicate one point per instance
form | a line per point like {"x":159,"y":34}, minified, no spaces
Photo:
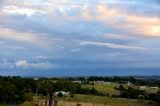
{"x":105,"y":88}
{"x":88,"y":100}
{"x":109,"y":89}
{"x":151,"y":90}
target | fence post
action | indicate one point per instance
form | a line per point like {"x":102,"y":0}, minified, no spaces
{"x":78,"y":104}
{"x":51,"y":100}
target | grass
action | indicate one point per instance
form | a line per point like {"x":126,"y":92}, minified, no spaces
{"x":90,"y":100}
{"x":151,"y":90}
{"x":105,"y":101}
{"x":110,"y":88}
{"x":27,"y":104}
{"x":105,"y":88}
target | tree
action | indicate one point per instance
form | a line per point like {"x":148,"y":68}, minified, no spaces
{"x":93,"y":91}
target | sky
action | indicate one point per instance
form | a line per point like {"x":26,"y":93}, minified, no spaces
{"x":79,"y":37}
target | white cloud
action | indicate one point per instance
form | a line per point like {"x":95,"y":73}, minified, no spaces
{"x":21,"y":63}
{"x":111,"y":45}
{"x":20,"y":10}
{"x":36,"y":66}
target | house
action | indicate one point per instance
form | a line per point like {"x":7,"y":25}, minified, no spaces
{"x":142,"y":87}
{"x":77,"y":82}
{"x":36,"y":79}
{"x":63,"y":93}
{"x":129,"y":83}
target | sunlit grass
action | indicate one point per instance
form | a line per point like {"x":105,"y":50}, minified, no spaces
{"x":106,"y":88}
{"x":104,"y":101}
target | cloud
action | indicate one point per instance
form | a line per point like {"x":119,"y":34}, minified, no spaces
{"x":154,"y":31}
{"x":116,"y":16}
{"x":117,"y":36}
{"x":22,"y":63}
{"x":21,"y":10}
{"x":6,"y":64}
{"x":15,"y":47}
{"x":35,"y":66}
{"x":111,"y":45}
{"x":75,"y":50}
{"x":55,"y":34}
{"x":43,"y":66}
{"x":41,"y":57}
{"x":39,"y":39}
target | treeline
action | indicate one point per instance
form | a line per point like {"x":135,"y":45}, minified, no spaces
{"x":132,"y":93}
{"x":122,"y":80}
{"x":84,"y":80}
{"x":15,"y":90}
{"x":101,"y":78}
{"x":49,"y":86}
{"x":113,"y":79}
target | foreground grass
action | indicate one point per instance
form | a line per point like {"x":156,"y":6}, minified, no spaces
{"x":106,"y":101}
{"x":27,"y":104}
{"x":90,"y":100}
